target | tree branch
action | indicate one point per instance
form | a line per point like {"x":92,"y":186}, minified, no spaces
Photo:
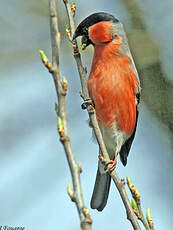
{"x":61,"y":90}
{"x":120,"y":184}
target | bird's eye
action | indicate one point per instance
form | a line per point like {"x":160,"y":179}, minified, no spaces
{"x":85,"y":30}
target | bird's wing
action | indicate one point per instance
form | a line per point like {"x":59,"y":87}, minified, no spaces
{"x":125,"y":149}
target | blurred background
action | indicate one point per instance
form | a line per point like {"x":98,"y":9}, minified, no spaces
{"x":33,"y":168}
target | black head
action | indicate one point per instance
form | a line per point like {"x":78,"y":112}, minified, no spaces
{"x":82,"y":29}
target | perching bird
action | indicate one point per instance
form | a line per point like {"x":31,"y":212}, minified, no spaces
{"x":114,"y":88}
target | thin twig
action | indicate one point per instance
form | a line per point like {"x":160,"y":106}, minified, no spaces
{"x":61,"y":90}
{"x":82,"y":73}
{"x":142,"y":218}
{"x":136,"y":205}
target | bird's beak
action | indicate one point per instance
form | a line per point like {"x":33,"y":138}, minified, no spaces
{"x":75,"y":35}
{"x":81,"y":30}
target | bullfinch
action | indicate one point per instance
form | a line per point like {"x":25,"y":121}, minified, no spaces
{"x":114,"y":89}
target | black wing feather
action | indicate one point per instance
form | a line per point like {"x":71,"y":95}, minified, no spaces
{"x":125,"y":149}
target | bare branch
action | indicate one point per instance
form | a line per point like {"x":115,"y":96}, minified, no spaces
{"x":61,"y":90}
{"x":82,"y":73}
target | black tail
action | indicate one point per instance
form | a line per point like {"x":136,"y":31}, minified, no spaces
{"x":101,"y":191}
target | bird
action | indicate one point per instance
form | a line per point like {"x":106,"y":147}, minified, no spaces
{"x":114,"y":88}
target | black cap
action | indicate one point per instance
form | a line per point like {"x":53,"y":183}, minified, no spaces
{"x":82,"y":28}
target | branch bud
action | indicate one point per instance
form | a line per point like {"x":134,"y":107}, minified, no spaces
{"x":137,"y":195}
{"x":60,"y":127}
{"x":45,"y":60}
{"x":129,"y":182}
{"x":59,"y":39}
{"x":148,"y":214}
{"x":73,"y":8}
{"x":70,"y":192}
{"x":135,"y":208}
{"x":134,"y":204}
{"x":79,"y":167}
{"x":64,"y":84}
{"x":86,"y":212}
{"x":59,"y":35}
{"x":149,"y":219}
{"x":130,"y":185}
{"x":67,"y":30}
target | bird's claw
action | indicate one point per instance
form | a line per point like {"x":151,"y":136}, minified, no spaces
{"x":86,"y":103}
{"x":113,"y":164}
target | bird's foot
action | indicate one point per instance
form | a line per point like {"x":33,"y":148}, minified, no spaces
{"x":113,"y":163}
{"x":87,"y":102}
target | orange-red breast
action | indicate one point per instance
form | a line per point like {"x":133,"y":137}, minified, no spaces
{"x":114,"y":88}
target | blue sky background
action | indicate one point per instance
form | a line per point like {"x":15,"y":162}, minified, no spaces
{"x":33,"y":169}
